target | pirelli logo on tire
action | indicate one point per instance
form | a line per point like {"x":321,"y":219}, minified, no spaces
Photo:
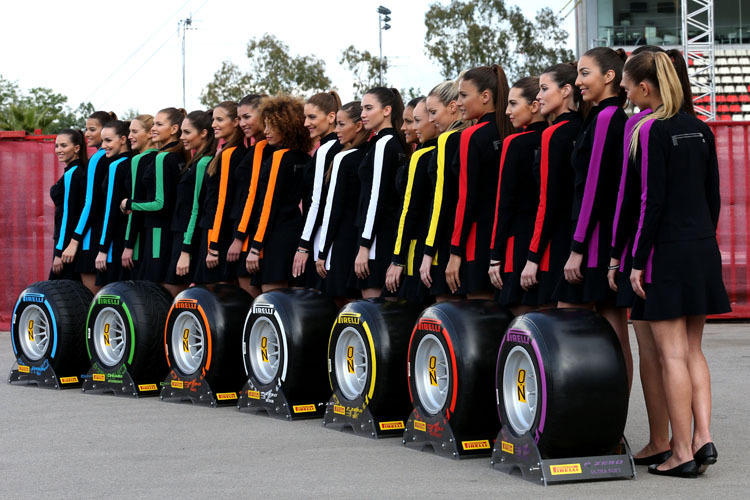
{"x":559,"y":470}
{"x":303,"y":408}
{"x":392,"y":426}
{"x":268,"y":309}
{"x":186,"y":304}
{"x":349,"y":318}
{"x":480,"y":444}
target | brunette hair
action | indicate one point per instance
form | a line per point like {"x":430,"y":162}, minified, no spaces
{"x":230,"y":107}
{"x":529,"y":87}
{"x":413,"y":103}
{"x":103,"y":117}
{"x":286,"y":114}
{"x":682,"y":72}
{"x":175,"y":117}
{"x":327,"y":102}
{"x":353,"y":111}
{"x":565,"y":74}
{"x":493,"y":78}
{"x":202,"y":120}
{"x":252,"y":100}
{"x":122,"y":129}
{"x":77,"y":138}
{"x":609,"y":59}
{"x":392,"y":97}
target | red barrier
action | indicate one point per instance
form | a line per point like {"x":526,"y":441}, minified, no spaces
{"x":28,"y":168}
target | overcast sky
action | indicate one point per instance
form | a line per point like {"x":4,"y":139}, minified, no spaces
{"x":123,"y":55}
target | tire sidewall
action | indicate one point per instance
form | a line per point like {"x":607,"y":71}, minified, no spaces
{"x":270,"y":312}
{"x":33,"y":295}
{"x":193,"y":307}
{"x":367,"y":395}
{"x":113,"y":297}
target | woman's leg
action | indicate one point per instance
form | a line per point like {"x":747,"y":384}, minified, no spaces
{"x":671,"y":341}
{"x":244,"y":283}
{"x":267,"y":287}
{"x":174,"y":289}
{"x":481,"y":295}
{"x":565,"y":305}
{"x":618,"y":318}
{"x":371,"y":293}
{"x":653,"y":392}
{"x":519,"y":309}
{"x":701,"y":381}
{"x":89,"y":281}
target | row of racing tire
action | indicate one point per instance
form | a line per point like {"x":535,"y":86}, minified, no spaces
{"x":442,"y":374}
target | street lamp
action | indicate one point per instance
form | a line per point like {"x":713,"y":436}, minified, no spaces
{"x":383,"y":19}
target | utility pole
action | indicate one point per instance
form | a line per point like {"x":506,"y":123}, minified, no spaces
{"x":383,"y":18}
{"x":184,"y":25}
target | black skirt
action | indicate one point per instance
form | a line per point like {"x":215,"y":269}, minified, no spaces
{"x":381,"y":252}
{"x":625,"y":294}
{"x":514,"y":261}
{"x":172,"y":277}
{"x":437,"y":272}
{"x":684,"y":278}
{"x":278,"y":254}
{"x":412,"y":289}
{"x":225,"y":271}
{"x":114,"y":271}
{"x":155,"y":254}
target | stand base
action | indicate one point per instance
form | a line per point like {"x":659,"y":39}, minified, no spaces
{"x":42,"y":376}
{"x":511,"y":453}
{"x":196,"y":390}
{"x":275,"y":403}
{"x":435,"y":431}
{"x":343,"y":414}
{"x":100,"y":380}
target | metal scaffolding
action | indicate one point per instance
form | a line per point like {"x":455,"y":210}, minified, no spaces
{"x":698,"y":46}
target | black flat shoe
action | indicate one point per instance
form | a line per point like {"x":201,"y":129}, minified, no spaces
{"x":658,"y":458}
{"x":688,"y":469}
{"x":706,"y":456}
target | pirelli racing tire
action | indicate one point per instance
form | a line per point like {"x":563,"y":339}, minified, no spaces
{"x":367,"y":353}
{"x":284,"y":343}
{"x":203,"y":335}
{"x":452,"y":365}
{"x":125,"y":328}
{"x":49,"y":326}
{"x":561,"y":377}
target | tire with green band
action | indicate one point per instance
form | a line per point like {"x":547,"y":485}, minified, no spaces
{"x":124,"y":327}
{"x":48,"y":326}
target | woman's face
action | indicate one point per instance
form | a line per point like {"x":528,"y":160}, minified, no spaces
{"x":65,"y":150}
{"x":317,"y":122}
{"x":346,"y":128}
{"x":139,"y":136}
{"x":112,"y":144}
{"x":373,"y":113}
{"x":637,"y":93}
{"x":191,"y":138}
{"x":471,"y":102}
{"x":273,"y":136}
{"x":408,"y":127}
{"x":250,"y":121}
{"x":440,"y":114}
{"x":520,"y":112}
{"x":223,"y":125}
{"x":591,"y":80}
{"x":424,"y":128}
{"x":551,"y":97}
{"x":163,"y":131}
{"x":93,"y":133}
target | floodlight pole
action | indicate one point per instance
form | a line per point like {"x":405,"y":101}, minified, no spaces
{"x":383,"y":13}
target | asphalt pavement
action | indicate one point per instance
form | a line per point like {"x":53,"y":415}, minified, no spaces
{"x":69,"y":445}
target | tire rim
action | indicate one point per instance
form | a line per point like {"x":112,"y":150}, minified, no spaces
{"x":33,"y":332}
{"x":351,"y":363}
{"x":265,"y":350}
{"x":520,"y":390}
{"x":187,"y":343}
{"x":431,"y":374}
{"x":109,"y":337}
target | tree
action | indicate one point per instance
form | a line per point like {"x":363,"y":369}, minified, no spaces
{"x":365,"y":68}
{"x":469,"y":33}
{"x":271,"y":70}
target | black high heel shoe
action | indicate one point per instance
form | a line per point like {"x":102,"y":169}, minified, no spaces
{"x":705,"y":456}
{"x":687,"y":470}
{"x":658,"y":458}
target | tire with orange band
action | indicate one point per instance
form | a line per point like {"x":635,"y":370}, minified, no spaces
{"x":203,"y":335}
{"x":451,"y":365}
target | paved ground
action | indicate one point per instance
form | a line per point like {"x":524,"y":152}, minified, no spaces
{"x":71,"y":445}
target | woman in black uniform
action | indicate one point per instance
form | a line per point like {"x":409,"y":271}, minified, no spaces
{"x":67,"y":194}
{"x":442,"y":108}
{"x":252,"y":126}
{"x":216,"y":222}
{"x":559,"y":99}
{"x":338,"y":234}
{"x":413,"y":221}
{"x":112,"y":240}
{"x":198,"y":136}
{"x":83,"y":245}
{"x":377,"y":213}
{"x":160,"y":180}
{"x":320,"y":120}
{"x":144,"y":152}
{"x":676,"y":232}
{"x":409,"y":127}
{"x":279,"y":193}
{"x":517,"y":196}
{"x":482,"y":96}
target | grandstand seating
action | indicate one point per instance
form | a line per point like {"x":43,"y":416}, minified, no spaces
{"x":732,"y":84}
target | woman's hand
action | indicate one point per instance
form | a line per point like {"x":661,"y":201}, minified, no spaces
{"x":320,"y":267}
{"x":451,"y":273}
{"x":494,"y":272}
{"x":183,"y":264}
{"x":636,"y":279}
{"x":123,"y":207}
{"x":212,"y":259}
{"x":57,"y":265}
{"x":361,"y":267}
{"x":101,"y":262}
{"x":572,"y":269}
{"x":70,"y":252}
{"x":612,"y":273}
{"x":393,"y":278}
{"x":424,"y":271}
{"x":252,"y":263}
{"x":233,"y":254}
{"x":127,"y":258}
{"x":300,"y":262}
{"x":528,"y":275}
